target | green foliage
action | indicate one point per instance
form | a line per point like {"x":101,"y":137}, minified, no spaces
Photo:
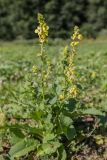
{"x":18,"y":18}
{"x":22,"y":148}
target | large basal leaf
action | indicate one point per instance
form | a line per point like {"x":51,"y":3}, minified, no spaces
{"x":31,"y":130}
{"x":22,"y":148}
{"x":93,"y":111}
{"x":67,"y":127}
{"x":17,"y":132}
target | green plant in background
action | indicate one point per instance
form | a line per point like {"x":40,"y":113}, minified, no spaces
{"x":20,"y":22}
{"x":57,"y":122}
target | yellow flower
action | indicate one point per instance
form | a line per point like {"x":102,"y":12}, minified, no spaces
{"x":61,"y":97}
{"x":99,"y":139}
{"x":45,"y":76}
{"x":74,"y":36}
{"x":74,"y":44}
{"x":80,"y":37}
{"x":93,"y":75}
{"x":34,"y":69}
{"x":42,"y":29}
{"x":70,"y":75}
{"x":73,"y":91}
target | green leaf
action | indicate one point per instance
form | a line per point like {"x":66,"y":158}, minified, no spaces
{"x":48,"y":137}
{"x":71,"y":105}
{"x":93,"y":111}
{"x":71,"y":132}
{"x":22,"y":148}
{"x":67,"y":127}
{"x":62,"y":153}
{"x":66,"y":121}
{"x":104,"y":106}
{"x":53,"y":101}
{"x":31,"y":130}
{"x":14,"y":139}
{"x":17,"y":132}
{"x":36,"y":115}
{"x":48,"y":148}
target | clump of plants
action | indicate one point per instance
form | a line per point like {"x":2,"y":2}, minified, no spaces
{"x":56,"y":124}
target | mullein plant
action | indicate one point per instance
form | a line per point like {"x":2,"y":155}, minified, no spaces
{"x":56,"y":89}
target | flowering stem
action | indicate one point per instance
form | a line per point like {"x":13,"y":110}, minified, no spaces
{"x":42,"y":56}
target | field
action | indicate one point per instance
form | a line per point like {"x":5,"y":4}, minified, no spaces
{"x":16,"y":62}
{"x":17,"y":59}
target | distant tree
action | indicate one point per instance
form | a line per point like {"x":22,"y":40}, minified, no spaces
{"x":96,"y":16}
{"x":18,"y":18}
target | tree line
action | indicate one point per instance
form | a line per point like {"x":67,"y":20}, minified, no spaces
{"x":18,"y":19}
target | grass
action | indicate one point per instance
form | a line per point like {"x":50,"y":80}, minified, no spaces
{"x":12,"y":51}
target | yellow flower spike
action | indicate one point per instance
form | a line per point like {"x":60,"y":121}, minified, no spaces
{"x":76,"y":38}
{"x":69,"y":68}
{"x":42,"y":29}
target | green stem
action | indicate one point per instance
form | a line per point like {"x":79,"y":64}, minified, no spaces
{"x":42,"y":59}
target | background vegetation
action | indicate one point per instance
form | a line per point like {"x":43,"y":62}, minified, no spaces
{"x":19,"y":18}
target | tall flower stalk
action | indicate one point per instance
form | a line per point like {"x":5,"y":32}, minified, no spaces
{"x":69,"y":67}
{"x":42,"y":31}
